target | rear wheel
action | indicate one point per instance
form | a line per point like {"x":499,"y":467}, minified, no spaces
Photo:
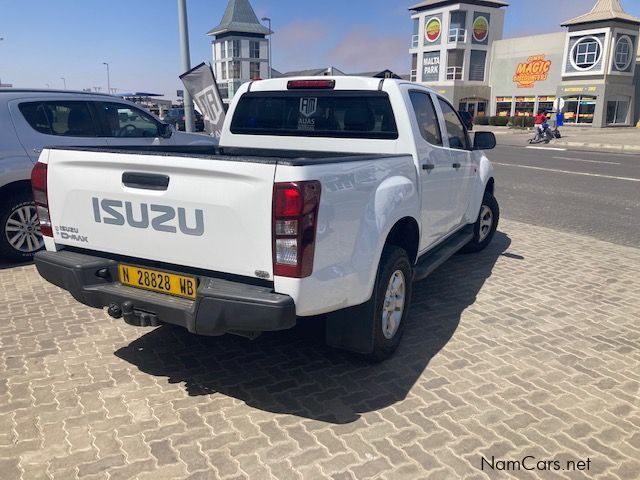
{"x":485,"y":227}
{"x":392,"y":297}
{"x":20,"y":235}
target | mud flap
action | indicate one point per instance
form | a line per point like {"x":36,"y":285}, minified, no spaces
{"x":352,"y":328}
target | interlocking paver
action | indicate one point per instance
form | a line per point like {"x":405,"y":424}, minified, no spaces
{"x":536,"y":352}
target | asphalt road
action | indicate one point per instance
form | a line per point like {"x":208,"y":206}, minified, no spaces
{"x":595,"y":194}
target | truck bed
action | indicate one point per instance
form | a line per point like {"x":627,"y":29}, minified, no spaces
{"x":236,"y":154}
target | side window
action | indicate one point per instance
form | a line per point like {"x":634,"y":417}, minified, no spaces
{"x":125,"y":121}
{"x":426,"y":117}
{"x":455,"y":131}
{"x":68,"y":119}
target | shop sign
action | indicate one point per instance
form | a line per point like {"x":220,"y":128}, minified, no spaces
{"x":480,"y":29}
{"x":535,"y":69}
{"x":433,"y":29}
{"x":431,"y":67}
{"x":579,"y":89}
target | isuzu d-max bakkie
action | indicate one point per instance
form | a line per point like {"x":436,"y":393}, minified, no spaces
{"x":325,"y":197}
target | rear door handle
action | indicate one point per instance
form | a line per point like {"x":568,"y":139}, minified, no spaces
{"x":456,"y":165}
{"x":428,"y":166}
{"x":145,"y":181}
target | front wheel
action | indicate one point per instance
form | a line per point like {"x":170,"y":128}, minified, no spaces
{"x":392,"y":297}
{"x":485,"y":227}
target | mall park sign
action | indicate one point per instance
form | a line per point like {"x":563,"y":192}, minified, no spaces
{"x":535,"y":69}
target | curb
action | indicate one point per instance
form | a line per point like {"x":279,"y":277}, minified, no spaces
{"x":594,"y":147}
{"x":601,"y":146}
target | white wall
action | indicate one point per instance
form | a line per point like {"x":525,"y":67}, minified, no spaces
{"x":244,"y":58}
{"x":496,"y":26}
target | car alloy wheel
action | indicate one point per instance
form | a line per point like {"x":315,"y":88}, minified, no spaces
{"x":486,"y":222}
{"x":393,"y":306}
{"x":23,"y":229}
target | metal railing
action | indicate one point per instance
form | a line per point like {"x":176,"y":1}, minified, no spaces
{"x":457,"y":35}
{"x":454,"y":73}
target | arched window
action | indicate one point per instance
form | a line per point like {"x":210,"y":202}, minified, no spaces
{"x":586,"y":53}
{"x":623,"y":54}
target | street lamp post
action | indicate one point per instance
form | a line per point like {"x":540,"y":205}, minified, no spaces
{"x":108,"y":78}
{"x":189,"y":122}
{"x":64,"y":82}
{"x":1,"y":39}
{"x":267,"y":19}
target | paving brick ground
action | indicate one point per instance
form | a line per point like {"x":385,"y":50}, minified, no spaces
{"x":528,"y":349}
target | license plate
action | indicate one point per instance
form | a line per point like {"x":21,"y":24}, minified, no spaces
{"x":161,"y":282}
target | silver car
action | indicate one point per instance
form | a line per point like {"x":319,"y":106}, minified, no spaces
{"x":33,"y":119}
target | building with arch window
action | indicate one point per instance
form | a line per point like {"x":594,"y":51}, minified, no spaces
{"x":457,"y":48}
{"x":240,"y":48}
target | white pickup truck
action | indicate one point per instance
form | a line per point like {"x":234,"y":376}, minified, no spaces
{"x":325,"y":197}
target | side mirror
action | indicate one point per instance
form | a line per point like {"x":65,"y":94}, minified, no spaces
{"x":165,"y":130}
{"x":484,"y":141}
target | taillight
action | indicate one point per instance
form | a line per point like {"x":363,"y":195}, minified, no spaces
{"x":39,"y":187}
{"x":295,"y":218}
{"x":311,"y":84}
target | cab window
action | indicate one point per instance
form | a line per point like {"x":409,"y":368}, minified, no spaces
{"x":456,"y":132}
{"x":316,"y":113}
{"x":124,"y":121}
{"x":426,"y":117}
{"x":68,"y":119}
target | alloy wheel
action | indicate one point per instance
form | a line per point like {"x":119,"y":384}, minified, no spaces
{"x":23,"y":229}
{"x":393,"y":306}
{"x":486,"y":222}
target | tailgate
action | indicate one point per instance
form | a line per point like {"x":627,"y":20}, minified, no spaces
{"x":211,"y":214}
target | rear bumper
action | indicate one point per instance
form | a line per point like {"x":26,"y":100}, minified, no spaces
{"x":222,"y":306}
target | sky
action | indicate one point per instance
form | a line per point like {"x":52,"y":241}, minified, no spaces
{"x":44,"y":40}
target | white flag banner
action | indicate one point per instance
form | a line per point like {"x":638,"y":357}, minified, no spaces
{"x":201,"y":84}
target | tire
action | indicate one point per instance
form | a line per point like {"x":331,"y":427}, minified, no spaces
{"x":19,"y":240}
{"x":388,"y":326}
{"x":483,"y":232}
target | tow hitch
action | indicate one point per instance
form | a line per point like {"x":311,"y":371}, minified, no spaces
{"x":137,"y":318}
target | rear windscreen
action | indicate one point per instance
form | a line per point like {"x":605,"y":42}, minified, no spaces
{"x":313,"y":113}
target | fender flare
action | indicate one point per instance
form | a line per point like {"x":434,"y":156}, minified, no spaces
{"x":395,"y":200}
{"x":485,"y":179}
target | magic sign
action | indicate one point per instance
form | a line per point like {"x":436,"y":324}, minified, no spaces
{"x":535,"y":69}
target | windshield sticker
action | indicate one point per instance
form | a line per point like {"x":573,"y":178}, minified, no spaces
{"x":308,"y":107}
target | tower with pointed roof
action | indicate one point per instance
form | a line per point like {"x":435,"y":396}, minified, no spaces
{"x":599,"y":65}
{"x":240,"y":48}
